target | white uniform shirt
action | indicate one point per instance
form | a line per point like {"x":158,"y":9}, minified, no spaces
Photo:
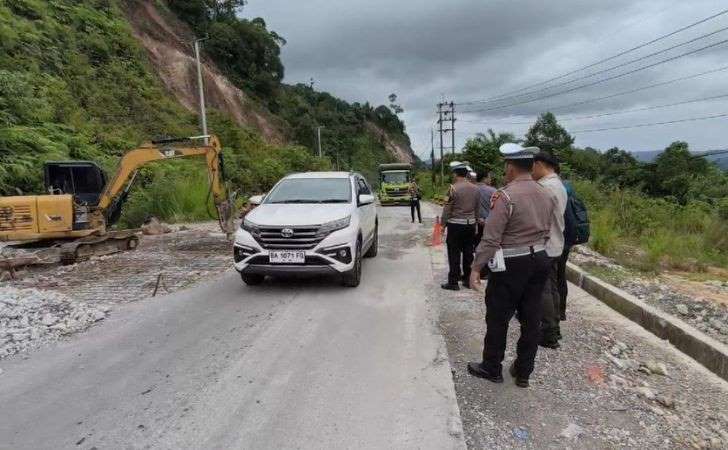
{"x":555,"y":244}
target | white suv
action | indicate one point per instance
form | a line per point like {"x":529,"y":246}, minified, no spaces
{"x":309,"y":223}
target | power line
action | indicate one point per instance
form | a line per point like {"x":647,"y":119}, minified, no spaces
{"x":604,"y":80}
{"x":615,"y":113}
{"x":665,"y":36}
{"x":587,"y":76}
{"x":712,"y":152}
{"x":641,"y":125}
{"x":642,"y":88}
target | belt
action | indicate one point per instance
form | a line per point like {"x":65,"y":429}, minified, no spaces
{"x":462,"y":221}
{"x":523,"y":251}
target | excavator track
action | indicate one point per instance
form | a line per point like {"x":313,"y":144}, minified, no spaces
{"x":107,"y":244}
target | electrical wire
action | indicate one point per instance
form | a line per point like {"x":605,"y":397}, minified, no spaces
{"x":614,"y":113}
{"x":587,"y":76}
{"x":589,"y":66}
{"x":604,"y":80}
{"x":642,"y":125}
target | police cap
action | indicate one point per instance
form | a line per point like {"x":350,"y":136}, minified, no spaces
{"x":460,"y":169}
{"x":515,"y":151}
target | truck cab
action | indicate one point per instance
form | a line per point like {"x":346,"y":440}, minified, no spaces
{"x":394,"y":182}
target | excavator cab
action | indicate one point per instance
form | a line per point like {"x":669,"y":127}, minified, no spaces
{"x":83,"y":179}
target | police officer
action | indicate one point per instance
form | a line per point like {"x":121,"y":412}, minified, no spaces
{"x":460,"y":215}
{"x":518,"y":226}
{"x":544,"y":172}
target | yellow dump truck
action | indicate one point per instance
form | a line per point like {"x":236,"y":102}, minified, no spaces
{"x":394,"y":182}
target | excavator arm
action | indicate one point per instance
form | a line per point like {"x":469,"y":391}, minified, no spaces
{"x":115,"y":192}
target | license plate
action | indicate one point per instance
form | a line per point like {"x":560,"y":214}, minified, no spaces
{"x":287,"y":257}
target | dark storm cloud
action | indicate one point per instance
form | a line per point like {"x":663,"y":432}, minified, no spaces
{"x":474,"y":49}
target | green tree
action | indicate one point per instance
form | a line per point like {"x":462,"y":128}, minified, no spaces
{"x":482,"y":151}
{"x":548,"y":135}
{"x":674,"y":171}
{"x":621,"y":168}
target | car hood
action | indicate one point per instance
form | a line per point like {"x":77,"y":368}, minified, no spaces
{"x":269,"y":214}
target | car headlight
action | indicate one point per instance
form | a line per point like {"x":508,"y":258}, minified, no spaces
{"x":334,"y":225}
{"x":250,"y":227}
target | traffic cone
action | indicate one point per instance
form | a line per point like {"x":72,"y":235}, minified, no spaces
{"x":437,"y":233}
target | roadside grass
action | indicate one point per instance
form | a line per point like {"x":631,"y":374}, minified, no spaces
{"x":651,"y":235}
{"x":428,"y":189}
{"x":609,"y":274}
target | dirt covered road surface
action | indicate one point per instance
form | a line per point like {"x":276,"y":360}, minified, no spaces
{"x":290,"y":364}
{"x":211,"y":363}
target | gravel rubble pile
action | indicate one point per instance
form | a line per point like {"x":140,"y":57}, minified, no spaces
{"x":610,"y":385}
{"x":607,"y":387}
{"x":704,"y":314}
{"x":30,"y":318}
{"x":71,"y":298}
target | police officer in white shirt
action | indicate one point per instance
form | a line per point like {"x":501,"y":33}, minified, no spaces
{"x":545,"y":167}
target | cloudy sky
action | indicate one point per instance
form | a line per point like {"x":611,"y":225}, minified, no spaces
{"x":468,"y":51}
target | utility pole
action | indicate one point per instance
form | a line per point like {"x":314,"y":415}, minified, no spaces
{"x":432,"y":154}
{"x":442,"y":143}
{"x":318,"y":140}
{"x":201,"y":88}
{"x":452,"y":125}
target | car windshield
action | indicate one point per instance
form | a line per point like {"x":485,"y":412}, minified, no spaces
{"x":394,"y":177}
{"x":311,"y":190}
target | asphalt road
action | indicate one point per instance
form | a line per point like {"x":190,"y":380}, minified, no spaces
{"x":294,"y":364}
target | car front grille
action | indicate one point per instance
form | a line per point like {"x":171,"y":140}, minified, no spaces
{"x":302,"y":238}
{"x":396,"y":192}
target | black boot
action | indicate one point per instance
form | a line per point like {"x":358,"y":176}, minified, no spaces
{"x":549,"y":339}
{"x":520,"y":381}
{"x":477,"y":370}
{"x":450,"y":286}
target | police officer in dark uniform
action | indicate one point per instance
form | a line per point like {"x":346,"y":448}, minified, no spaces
{"x":513,"y":247}
{"x":460,"y":215}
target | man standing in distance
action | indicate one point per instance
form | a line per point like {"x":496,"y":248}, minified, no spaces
{"x":518,"y":225}
{"x":460,"y":216}
{"x":545,"y":167}
{"x":414,"y":192}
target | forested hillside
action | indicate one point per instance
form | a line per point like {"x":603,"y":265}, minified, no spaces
{"x":77,"y":83}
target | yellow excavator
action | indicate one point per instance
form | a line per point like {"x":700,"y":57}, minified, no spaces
{"x":81,"y":205}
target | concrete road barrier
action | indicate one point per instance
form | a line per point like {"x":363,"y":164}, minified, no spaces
{"x":696,"y":344}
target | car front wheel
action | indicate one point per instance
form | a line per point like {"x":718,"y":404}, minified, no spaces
{"x":374,"y":248}
{"x":352,"y":278}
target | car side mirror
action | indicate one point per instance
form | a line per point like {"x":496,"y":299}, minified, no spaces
{"x":255,"y":200}
{"x":366,"y":199}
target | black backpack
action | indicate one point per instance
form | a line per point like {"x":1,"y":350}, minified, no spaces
{"x":576,"y":222}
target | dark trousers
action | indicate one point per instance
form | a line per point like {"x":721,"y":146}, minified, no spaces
{"x":551,"y":302}
{"x":562,"y":284}
{"x":459,"y":248}
{"x":415,"y":205}
{"x":517,"y":289}
{"x":478,"y":235}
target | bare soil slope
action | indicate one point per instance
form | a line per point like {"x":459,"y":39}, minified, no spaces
{"x":168,"y":43}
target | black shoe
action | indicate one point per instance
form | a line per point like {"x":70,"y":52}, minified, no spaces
{"x":450,"y":286}
{"x":520,"y":382}
{"x":552,"y":344}
{"x":477,"y":370}
{"x":558,"y":335}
